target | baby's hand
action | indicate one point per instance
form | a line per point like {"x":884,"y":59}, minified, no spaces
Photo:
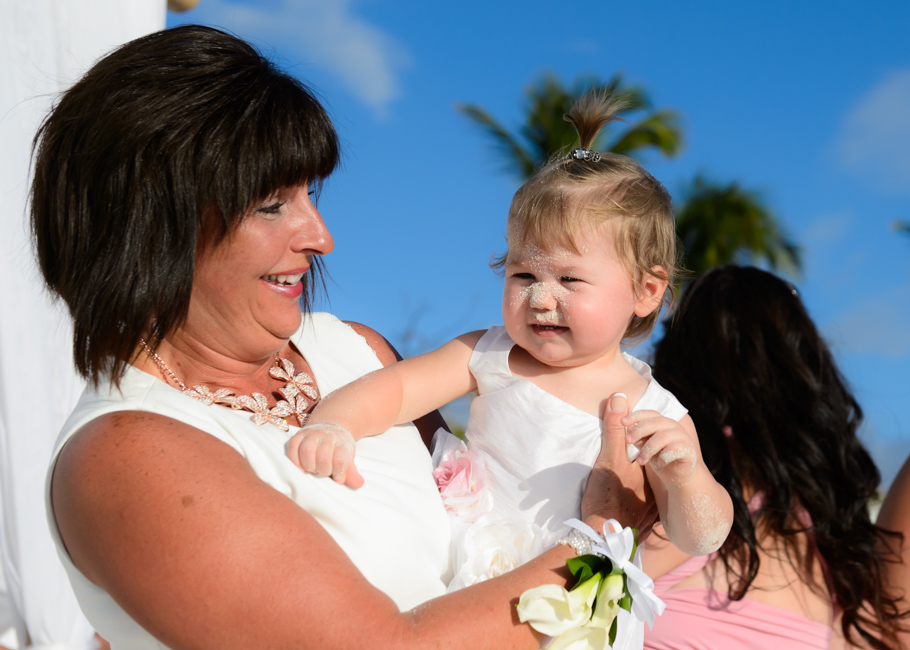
{"x":325,"y":449}
{"x":662,"y":442}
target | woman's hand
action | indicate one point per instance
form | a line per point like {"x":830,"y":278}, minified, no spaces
{"x":618,"y":489}
{"x":664,"y":443}
{"x":325,"y":449}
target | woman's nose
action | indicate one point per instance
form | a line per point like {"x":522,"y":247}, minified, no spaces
{"x":320,"y":239}
{"x":312,"y":234}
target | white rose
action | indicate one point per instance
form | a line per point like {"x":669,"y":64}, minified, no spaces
{"x":492,"y":546}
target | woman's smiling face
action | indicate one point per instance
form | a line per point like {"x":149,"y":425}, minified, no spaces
{"x":249,"y":285}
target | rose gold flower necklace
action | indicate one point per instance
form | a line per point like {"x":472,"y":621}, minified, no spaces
{"x":298,"y":388}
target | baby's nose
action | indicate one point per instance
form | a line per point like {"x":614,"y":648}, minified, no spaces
{"x":542,"y":296}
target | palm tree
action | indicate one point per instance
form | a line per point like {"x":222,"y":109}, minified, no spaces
{"x":545,"y":132}
{"x":902,"y":226}
{"x":720,"y":224}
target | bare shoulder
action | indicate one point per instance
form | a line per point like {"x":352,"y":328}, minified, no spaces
{"x":124,"y":462}
{"x":471,"y":338}
{"x":162,"y":516}
{"x":383,"y":349}
{"x":388,"y":354}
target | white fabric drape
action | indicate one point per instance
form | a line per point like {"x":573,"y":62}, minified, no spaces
{"x":44,"y":46}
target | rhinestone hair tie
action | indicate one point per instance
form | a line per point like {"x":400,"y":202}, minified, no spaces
{"x":585,"y":154}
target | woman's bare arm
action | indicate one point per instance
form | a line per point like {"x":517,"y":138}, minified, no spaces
{"x":178,"y":529}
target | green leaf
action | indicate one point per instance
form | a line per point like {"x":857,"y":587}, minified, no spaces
{"x":584,"y":567}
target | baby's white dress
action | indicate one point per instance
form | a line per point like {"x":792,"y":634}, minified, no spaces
{"x":394,"y":528}
{"x":537,"y":452}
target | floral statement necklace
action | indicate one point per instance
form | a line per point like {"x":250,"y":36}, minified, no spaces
{"x":299,"y":387}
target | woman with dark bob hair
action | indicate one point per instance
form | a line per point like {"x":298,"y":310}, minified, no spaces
{"x":778,"y":429}
{"x":172,"y":212}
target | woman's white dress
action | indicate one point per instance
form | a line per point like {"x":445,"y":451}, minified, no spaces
{"x":394,"y":528}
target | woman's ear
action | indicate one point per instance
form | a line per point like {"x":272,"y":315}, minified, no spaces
{"x":651,"y":291}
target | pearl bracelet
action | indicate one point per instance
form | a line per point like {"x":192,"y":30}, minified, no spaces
{"x":582,"y":544}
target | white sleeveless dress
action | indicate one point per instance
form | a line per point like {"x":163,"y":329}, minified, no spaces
{"x":537,"y":451}
{"x":394,"y":528}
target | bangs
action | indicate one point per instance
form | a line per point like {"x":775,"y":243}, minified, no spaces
{"x":281,"y":140}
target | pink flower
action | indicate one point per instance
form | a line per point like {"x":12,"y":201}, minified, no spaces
{"x":460,"y":477}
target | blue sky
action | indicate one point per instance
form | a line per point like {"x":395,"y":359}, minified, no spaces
{"x":806,"y":103}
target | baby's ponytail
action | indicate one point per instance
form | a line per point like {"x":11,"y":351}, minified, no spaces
{"x":591,"y":112}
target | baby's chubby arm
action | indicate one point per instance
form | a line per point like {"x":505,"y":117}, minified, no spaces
{"x":398,"y":393}
{"x":695,"y":510}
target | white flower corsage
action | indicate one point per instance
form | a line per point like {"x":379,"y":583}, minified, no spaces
{"x":610,"y":590}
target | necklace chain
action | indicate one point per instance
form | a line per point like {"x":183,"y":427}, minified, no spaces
{"x":300,"y":393}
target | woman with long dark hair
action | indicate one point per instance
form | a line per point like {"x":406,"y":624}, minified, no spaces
{"x":778,"y":429}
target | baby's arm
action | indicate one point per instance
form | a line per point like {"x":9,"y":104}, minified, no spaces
{"x":372,"y":404}
{"x":695,"y":510}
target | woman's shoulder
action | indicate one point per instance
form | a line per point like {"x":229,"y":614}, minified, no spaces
{"x":384,"y":350}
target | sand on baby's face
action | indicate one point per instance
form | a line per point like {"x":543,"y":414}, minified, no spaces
{"x":540,"y":295}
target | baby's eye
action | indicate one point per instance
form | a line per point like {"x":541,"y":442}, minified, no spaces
{"x":523,"y":276}
{"x":567,"y":278}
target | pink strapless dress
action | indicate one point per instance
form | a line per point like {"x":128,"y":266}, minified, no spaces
{"x":704,"y":619}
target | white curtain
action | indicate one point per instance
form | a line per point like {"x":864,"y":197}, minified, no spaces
{"x":45,"y":45}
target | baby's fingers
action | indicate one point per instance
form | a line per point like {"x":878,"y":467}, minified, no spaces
{"x":343,"y":469}
{"x":331,"y":459}
{"x":639,"y":427}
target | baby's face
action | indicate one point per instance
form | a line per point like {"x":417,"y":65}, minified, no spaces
{"x":568,"y":308}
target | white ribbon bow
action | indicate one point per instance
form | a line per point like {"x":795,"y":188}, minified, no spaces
{"x":618,"y":548}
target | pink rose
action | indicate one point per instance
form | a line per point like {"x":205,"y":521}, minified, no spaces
{"x":460,"y":477}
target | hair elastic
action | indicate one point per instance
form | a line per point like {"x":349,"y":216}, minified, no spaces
{"x":584,"y":154}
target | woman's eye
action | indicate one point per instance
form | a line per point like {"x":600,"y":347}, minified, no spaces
{"x":270,"y":208}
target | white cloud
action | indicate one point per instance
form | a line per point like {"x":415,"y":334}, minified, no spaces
{"x":366,"y":60}
{"x":874,"y":138}
{"x":828,"y":229}
{"x":875,"y":325}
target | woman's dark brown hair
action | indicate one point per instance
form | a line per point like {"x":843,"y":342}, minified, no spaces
{"x":774,"y":416}
{"x":174,"y":133}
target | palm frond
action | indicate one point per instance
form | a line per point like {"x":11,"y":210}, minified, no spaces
{"x":544,"y":133}
{"x":516,"y":158}
{"x":723,"y":224}
{"x":660,"y":130}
